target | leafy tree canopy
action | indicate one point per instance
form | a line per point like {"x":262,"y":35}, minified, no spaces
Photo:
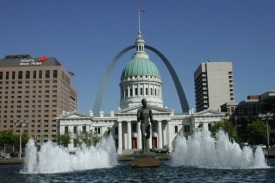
{"x":8,"y":137}
{"x":257,"y":132}
{"x":226,"y":126}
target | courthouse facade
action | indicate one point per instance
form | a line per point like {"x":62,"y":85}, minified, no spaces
{"x":140,"y":78}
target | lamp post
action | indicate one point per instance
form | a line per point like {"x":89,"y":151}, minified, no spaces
{"x":20,"y":123}
{"x":266,"y":117}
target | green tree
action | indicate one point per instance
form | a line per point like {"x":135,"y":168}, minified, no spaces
{"x":6,"y":137}
{"x":63,"y":139}
{"x":257,"y":132}
{"x":87,"y":138}
{"x":226,"y":126}
{"x":96,"y":139}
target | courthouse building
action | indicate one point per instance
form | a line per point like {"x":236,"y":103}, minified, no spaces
{"x":140,"y":78}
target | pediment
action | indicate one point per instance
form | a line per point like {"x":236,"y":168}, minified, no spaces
{"x":134,"y":109}
{"x":209,"y":112}
{"x":73,"y":115}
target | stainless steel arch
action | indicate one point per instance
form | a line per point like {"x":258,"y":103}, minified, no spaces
{"x":100,"y":93}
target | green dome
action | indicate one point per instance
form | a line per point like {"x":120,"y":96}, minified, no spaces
{"x":139,"y":67}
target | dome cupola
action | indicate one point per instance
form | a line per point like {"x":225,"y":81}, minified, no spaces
{"x":140,"y":78}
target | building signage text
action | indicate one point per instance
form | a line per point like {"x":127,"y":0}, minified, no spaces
{"x":31,"y":61}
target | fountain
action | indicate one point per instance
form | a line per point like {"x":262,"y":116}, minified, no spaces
{"x":200,"y":158}
{"x":203,"y":151}
{"x":55,"y":159}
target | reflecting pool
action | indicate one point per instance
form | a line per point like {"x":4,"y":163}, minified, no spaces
{"x":123,"y":172}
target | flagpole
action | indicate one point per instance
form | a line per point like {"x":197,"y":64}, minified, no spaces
{"x":139,"y":18}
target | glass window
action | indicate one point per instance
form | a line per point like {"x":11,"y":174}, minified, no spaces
{"x":134,"y":127}
{"x":13,"y":74}
{"x":27,"y":74}
{"x":7,"y":75}
{"x":187,"y":128}
{"x":176,"y":129}
{"x":20,"y":73}
{"x":154,"y":127}
{"x":54,"y":73}
{"x":34,"y":75}
{"x":97,"y":130}
{"x":47,"y":74}
{"x":40,"y":74}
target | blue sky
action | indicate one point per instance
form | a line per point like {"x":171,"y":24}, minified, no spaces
{"x":86,"y":35}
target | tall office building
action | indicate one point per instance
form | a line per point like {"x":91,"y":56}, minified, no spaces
{"x":213,"y":85}
{"x":36,"y":90}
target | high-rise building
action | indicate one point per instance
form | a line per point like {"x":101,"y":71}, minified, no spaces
{"x":213,"y":85}
{"x":35,"y":90}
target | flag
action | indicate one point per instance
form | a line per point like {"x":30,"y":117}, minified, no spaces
{"x":43,"y":58}
{"x":71,"y":74}
{"x":142,"y":10}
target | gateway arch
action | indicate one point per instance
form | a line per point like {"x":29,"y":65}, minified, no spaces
{"x":181,"y":94}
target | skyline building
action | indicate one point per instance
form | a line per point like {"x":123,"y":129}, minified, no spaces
{"x":214,"y":85}
{"x":34,"y":90}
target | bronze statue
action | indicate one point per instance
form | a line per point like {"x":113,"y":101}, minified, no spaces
{"x":143,"y":115}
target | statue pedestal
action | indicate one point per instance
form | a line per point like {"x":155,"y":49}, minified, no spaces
{"x":145,"y":160}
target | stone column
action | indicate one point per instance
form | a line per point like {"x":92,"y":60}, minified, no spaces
{"x":119,"y":137}
{"x":71,"y":144}
{"x":144,"y":90}
{"x":151,"y":134}
{"x":149,"y":89}
{"x":139,"y":139}
{"x":62,"y":129}
{"x":129,"y":130}
{"x":87,"y":128}
{"x":138,"y":88}
{"x":164,"y":134}
{"x":160,"y":144}
{"x":169,"y":140}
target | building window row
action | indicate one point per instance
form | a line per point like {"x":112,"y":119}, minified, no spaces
{"x":28,"y":74}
